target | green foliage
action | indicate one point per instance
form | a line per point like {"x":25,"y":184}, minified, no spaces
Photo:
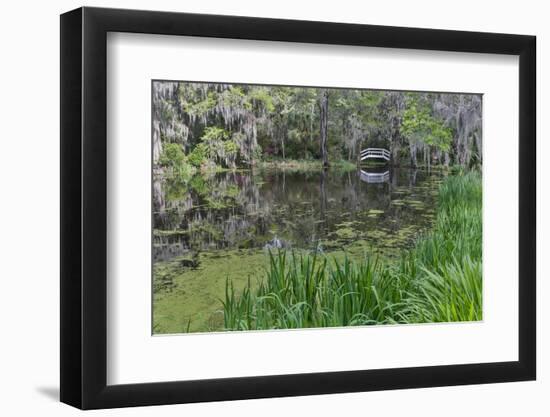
{"x":440,"y":280}
{"x":262,"y":97}
{"x":278,"y":121}
{"x":230,"y":147}
{"x":215,"y":146}
{"x":235,"y":97}
{"x":213,"y":133}
{"x":198,"y":155}
{"x":308,"y":291}
{"x":218,"y":147}
{"x":200,"y":185}
{"x":196,"y":105}
{"x":176,"y":186}
{"x":172,"y":155}
{"x":304,"y":165}
{"x":419,"y":125}
{"x":179,"y":170}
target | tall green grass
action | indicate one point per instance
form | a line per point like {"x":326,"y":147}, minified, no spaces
{"x":439,"y":280}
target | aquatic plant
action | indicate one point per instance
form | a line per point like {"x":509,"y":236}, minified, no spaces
{"x":439,"y":280}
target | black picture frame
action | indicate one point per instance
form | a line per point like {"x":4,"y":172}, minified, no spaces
{"x":84,"y":207}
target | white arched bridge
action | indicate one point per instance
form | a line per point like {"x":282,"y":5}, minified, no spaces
{"x":378,"y":153}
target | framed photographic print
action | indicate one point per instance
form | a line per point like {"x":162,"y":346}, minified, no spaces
{"x":257,"y":207}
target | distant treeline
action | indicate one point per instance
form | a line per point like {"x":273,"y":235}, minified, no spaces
{"x":213,"y":125}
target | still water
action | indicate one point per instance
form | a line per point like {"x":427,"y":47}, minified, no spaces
{"x":302,"y":210}
{"x":218,"y":228}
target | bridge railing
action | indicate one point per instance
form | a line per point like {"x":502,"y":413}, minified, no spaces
{"x":375,"y":153}
{"x":375,"y":177}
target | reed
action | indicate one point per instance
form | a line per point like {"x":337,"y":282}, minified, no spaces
{"x":438,"y":280}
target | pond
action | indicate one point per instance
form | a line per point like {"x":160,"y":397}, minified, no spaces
{"x":222,"y":226}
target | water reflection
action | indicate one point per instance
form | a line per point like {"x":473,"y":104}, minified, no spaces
{"x":374,"y":177}
{"x":327,"y":210}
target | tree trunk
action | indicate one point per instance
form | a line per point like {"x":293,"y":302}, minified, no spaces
{"x":157,"y":143}
{"x":477,"y":137}
{"x":394,"y":149}
{"x":323,"y":115}
{"x":358,"y":152}
{"x":412,"y":177}
{"x":412,"y":149}
{"x":311,"y":115}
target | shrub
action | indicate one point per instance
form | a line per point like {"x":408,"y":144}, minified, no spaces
{"x":198,"y":155}
{"x":172,"y":155}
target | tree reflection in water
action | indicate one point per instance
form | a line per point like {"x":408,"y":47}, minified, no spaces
{"x":303,"y":210}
